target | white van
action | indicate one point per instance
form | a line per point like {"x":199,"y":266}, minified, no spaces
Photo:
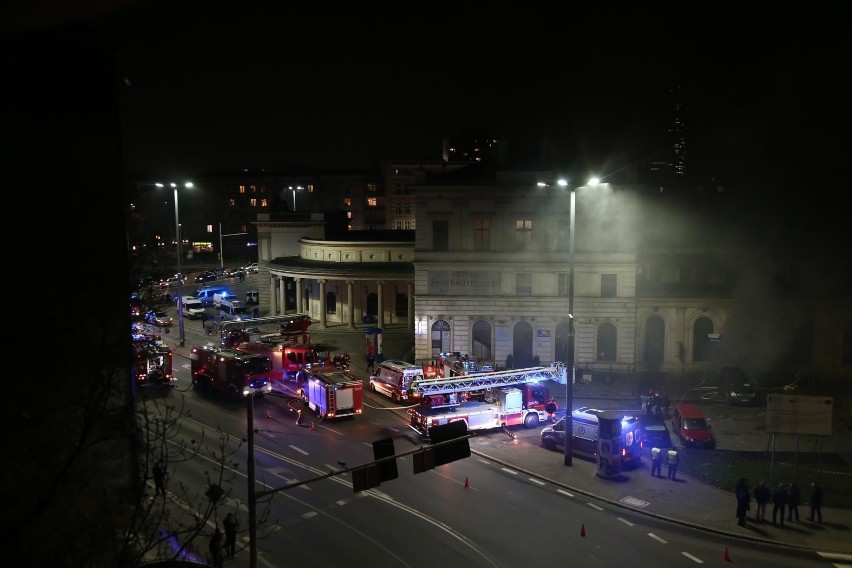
{"x":206,"y":294}
{"x":191,"y":307}
{"x":234,"y":310}
{"x":393,"y":378}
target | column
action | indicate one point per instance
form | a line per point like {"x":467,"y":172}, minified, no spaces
{"x":297,"y":282}
{"x":350,"y":304}
{"x":411,"y":306}
{"x":323,"y":306}
{"x":282,"y":295}
{"x":381,"y":302}
{"x":273,"y":301}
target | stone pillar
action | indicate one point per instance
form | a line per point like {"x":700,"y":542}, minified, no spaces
{"x":381,"y":306}
{"x":411,"y":306}
{"x":323,"y":306}
{"x":350,"y":304}
{"x":297,"y":282}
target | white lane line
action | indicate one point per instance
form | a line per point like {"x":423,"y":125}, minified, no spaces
{"x":593,"y":506}
{"x":693,"y":558}
{"x":564,"y":492}
{"x":658,"y":539}
{"x":626,"y":522}
{"x":300,"y":450}
{"x":507,"y":470}
{"x":537,"y":481}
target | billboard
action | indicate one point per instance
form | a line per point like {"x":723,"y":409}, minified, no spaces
{"x":797,"y":414}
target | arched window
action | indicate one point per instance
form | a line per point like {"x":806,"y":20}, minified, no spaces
{"x":481,"y":348}
{"x":655,"y":337}
{"x":440,"y":337}
{"x":607,"y":342}
{"x":700,"y":339}
{"x":563,"y":343}
{"x":401,"y":305}
{"x":522,"y":344}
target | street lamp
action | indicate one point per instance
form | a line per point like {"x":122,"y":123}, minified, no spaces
{"x":174,"y":186}
{"x":569,"y":383}
{"x":294,"y":189}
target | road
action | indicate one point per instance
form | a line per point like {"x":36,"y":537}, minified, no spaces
{"x":474,"y":512}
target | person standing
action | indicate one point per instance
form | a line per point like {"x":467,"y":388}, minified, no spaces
{"x":816,"y":501}
{"x":217,"y":542}
{"x":762,"y":495}
{"x":794,"y":499}
{"x":673,"y":460}
{"x":231,"y":523}
{"x":743,"y":501}
{"x":656,"y":462}
{"x":159,"y":478}
{"x":779,"y":501}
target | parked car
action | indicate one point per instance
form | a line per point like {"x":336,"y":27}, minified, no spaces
{"x":691,"y":426}
{"x":250,"y":268}
{"x":736,"y":387}
{"x":656,"y":434}
{"x":158,"y":318}
{"x":206,"y":276}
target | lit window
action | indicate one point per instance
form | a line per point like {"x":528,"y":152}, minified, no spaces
{"x":253,"y":202}
{"x":371,"y":187}
{"x":232,"y":202}
{"x":347,"y":202}
{"x":349,"y":214}
{"x":242,"y":189}
{"x":264,"y":202}
{"x":372,"y":201}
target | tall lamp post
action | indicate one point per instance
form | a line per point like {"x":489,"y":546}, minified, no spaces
{"x":174,"y":186}
{"x":569,"y":383}
{"x":294,"y":189}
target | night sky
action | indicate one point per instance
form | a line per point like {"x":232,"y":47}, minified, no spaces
{"x":211,"y":89}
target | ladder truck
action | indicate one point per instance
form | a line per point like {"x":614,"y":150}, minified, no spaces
{"x":487,"y":401}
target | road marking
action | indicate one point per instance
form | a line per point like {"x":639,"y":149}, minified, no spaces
{"x":593,"y":506}
{"x":507,"y":470}
{"x":537,"y":481}
{"x":658,"y":539}
{"x":634,"y":502}
{"x":626,"y":522}
{"x":300,"y":450}
{"x":564,"y":492}
{"x":693,"y":558}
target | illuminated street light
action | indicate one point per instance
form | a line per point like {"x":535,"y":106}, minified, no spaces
{"x":569,"y":383}
{"x":294,"y":190}
{"x":174,"y":186}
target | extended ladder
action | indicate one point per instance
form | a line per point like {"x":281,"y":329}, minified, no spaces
{"x":479,"y":381}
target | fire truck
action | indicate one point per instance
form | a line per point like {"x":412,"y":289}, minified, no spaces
{"x":487,"y":401}
{"x":332,"y":393}
{"x":293,"y":327}
{"x":287,"y":360}
{"x":153,"y":362}
{"x":230,"y":371}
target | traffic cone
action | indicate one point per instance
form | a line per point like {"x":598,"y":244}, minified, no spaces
{"x":583,"y":529}
{"x":269,"y":414}
{"x":312,"y":425}
{"x":726,"y":557}
{"x":466,"y":484}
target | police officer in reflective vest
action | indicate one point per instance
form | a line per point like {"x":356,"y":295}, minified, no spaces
{"x":656,"y":462}
{"x":673,"y":461}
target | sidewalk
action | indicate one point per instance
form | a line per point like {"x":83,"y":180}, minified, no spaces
{"x":686,"y":501}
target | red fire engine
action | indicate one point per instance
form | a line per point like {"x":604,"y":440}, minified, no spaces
{"x":229,"y":371}
{"x":287,"y":360}
{"x":153,"y":362}
{"x":487,"y":400}
{"x":332,"y":392}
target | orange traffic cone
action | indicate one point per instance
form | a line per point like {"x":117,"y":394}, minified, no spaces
{"x":268,"y":414}
{"x":583,"y":529}
{"x":466,"y":484}
{"x":312,"y":425}
{"x":726,"y":557}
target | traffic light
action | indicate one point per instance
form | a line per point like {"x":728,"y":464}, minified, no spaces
{"x":445,"y":447}
{"x":384,"y":449}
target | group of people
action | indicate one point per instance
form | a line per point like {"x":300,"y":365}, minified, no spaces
{"x":672,"y":459}
{"x":785,"y":500}
{"x":224,"y":543}
{"x":656,"y":403}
